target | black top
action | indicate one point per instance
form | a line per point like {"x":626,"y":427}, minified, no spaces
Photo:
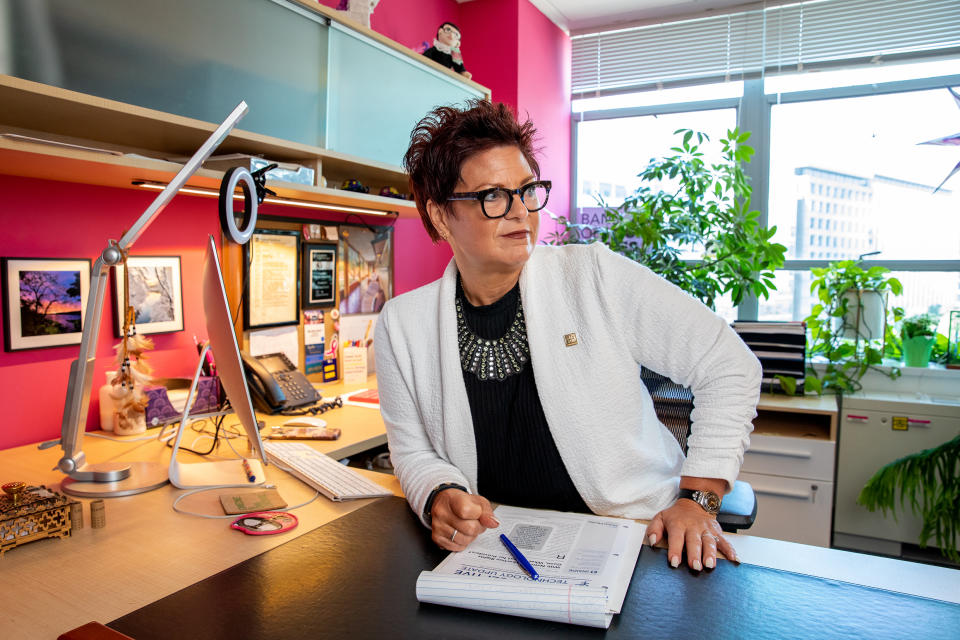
{"x":445,"y":59}
{"x":355,"y":577}
{"x":517,"y":460}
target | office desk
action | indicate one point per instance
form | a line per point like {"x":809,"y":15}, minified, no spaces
{"x":355,"y":577}
{"x":147,"y":550}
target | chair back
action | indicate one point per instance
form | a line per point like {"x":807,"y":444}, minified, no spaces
{"x":672,"y":402}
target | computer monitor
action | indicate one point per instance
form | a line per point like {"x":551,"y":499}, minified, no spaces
{"x":226,"y":353}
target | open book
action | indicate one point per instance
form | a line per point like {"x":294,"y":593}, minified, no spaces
{"x":585,"y":564}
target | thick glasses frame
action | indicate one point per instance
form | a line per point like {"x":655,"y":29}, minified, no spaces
{"x":481,"y":195}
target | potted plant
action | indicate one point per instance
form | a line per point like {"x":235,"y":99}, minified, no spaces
{"x":683,"y":203}
{"x":917,"y":335}
{"x":930,"y":481}
{"x":837,"y":331}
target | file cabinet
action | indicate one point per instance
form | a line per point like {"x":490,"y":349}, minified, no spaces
{"x":790,"y":464}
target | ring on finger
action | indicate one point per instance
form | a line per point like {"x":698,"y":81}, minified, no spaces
{"x":453,"y":535}
{"x":708,"y":534}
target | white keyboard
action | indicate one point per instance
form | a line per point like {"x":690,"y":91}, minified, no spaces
{"x":334,"y":480}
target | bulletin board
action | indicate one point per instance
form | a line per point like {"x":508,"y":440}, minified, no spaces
{"x":345,"y":275}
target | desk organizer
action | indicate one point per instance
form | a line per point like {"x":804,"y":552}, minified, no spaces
{"x":38,"y":513}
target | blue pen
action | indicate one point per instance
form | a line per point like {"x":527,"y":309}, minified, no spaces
{"x":523,"y":562}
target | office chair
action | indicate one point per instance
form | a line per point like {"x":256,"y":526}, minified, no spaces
{"x":673,"y":404}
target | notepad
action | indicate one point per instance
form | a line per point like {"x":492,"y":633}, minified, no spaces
{"x":585,"y":564}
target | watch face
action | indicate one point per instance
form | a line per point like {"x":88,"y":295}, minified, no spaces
{"x":709,"y":500}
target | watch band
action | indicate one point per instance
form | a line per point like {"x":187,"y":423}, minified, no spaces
{"x":706,"y":499}
{"x":428,"y":505}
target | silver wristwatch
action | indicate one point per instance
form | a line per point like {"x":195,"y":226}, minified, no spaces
{"x":706,"y":499}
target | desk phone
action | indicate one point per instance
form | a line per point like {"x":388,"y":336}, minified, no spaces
{"x":276,"y":384}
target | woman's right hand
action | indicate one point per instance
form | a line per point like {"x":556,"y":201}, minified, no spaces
{"x":457,"y":517}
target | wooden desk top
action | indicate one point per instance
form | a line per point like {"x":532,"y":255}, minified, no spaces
{"x":147,"y":550}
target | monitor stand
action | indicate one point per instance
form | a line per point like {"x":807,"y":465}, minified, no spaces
{"x":115,"y":479}
{"x":200,"y":475}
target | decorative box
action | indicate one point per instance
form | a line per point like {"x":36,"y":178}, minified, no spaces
{"x":39,"y":513}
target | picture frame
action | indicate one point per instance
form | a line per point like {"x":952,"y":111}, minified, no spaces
{"x":156,"y":294}
{"x":319,"y":274}
{"x":365,"y":272}
{"x":272,"y":274}
{"x":44,"y":301}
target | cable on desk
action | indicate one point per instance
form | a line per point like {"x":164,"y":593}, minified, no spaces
{"x":176,"y":502}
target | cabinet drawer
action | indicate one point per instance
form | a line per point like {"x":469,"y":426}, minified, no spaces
{"x":791,"y":509}
{"x":791,"y":457}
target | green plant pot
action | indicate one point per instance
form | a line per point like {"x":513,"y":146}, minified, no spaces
{"x":916,"y":351}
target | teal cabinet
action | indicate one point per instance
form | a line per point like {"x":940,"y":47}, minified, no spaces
{"x":376,"y":95}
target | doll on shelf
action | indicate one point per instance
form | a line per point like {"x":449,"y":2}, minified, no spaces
{"x":446,"y":49}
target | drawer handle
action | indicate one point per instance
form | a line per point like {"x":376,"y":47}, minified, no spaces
{"x":797,"y":495}
{"x":918,"y":422}
{"x":850,"y":416}
{"x":783,"y":452}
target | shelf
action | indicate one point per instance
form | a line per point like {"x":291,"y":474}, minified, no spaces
{"x":797,"y":416}
{"x":133,"y":142}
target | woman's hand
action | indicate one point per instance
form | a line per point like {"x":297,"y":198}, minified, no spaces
{"x":688,"y":526}
{"x":457,"y":517}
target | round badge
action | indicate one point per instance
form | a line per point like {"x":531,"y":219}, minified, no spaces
{"x":263,"y":523}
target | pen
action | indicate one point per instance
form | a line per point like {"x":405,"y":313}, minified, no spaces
{"x":246,"y":469}
{"x":523,"y":562}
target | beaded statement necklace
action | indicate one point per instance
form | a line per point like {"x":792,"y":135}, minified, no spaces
{"x":493,"y":359}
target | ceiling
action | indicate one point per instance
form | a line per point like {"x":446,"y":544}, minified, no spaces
{"x":579,"y":16}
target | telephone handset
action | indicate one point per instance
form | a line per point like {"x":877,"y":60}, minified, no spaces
{"x":276,"y":384}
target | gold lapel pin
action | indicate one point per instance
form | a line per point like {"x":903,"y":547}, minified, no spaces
{"x":570,"y":339}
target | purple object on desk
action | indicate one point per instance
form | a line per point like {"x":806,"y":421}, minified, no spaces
{"x":161,"y":411}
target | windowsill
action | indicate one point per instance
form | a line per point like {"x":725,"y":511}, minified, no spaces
{"x":933,"y":380}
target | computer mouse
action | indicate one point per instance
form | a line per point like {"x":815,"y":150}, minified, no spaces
{"x":305,"y":421}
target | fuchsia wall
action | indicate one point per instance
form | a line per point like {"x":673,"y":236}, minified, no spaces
{"x":54,"y":219}
{"x":508,"y":45}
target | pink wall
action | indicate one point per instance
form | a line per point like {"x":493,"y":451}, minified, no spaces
{"x":525,"y":64}
{"x":55,"y":219}
{"x":543,"y":92}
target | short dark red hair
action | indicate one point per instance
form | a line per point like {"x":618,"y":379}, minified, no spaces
{"x":444,"y":139}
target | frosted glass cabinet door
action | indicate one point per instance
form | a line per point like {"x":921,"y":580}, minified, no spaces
{"x":194,"y":58}
{"x":376,"y":95}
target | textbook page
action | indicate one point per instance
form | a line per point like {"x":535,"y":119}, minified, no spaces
{"x":585,"y":564}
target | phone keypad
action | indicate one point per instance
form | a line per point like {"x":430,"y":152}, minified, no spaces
{"x":296,"y":394}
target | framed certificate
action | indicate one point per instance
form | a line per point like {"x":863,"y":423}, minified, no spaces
{"x":319,"y":275}
{"x":272,"y":274}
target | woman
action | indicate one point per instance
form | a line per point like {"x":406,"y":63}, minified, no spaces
{"x":515,"y":377}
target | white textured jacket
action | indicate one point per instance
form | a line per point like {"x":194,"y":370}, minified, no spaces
{"x":620,"y":458}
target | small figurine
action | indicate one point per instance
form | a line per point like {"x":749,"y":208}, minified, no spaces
{"x":354,"y":185}
{"x":446,"y":49}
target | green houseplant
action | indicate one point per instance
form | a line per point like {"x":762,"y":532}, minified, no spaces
{"x":918,"y":334}
{"x":684,"y":203}
{"x":930,"y":481}
{"x":836,"y":328}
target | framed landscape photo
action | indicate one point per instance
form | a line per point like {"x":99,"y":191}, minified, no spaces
{"x":156,"y":294}
{"x":44,"y":301}
{"x":319,"y":275}
{"x":272,"y":297}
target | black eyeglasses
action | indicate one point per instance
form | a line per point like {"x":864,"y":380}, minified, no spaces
{"x":496,"y":202}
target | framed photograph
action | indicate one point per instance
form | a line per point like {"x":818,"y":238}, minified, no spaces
{"x":319,"y":275}
{"x":272,"y":266}
{"x":366,"y":268}
{"x":44,"y":302}
{"x":156,"y":294}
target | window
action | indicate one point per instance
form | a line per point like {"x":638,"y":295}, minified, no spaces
{"x":613,"y":151}
{"x":841,"y":112}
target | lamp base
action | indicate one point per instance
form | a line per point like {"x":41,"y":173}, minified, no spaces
{"x":143,"y":477}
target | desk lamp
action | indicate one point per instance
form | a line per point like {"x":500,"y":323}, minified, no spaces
{"x":127,"y":478}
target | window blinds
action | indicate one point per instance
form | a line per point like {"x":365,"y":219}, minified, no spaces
{"x":789,"y":36}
